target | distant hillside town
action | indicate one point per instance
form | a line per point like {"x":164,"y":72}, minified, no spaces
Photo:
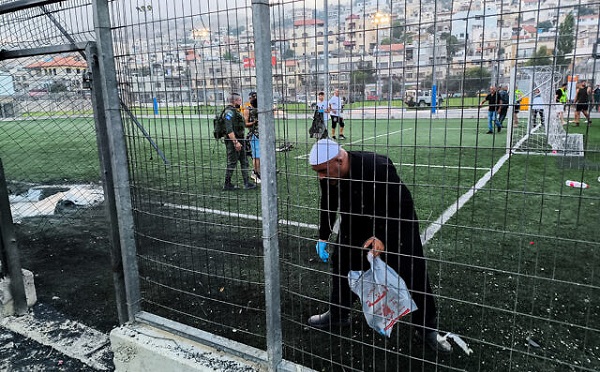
{"x":367,"y":49}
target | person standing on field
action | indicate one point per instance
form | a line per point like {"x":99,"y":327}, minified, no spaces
{"x":251,"y":118}
{"x":597,"y":98}
{"x":561,"y":100}
{"x":377,"y":214}
{"x":537,"y":107}
{"x":582,"y":102}
{"x":335,"y":110}
{"x":503,"y":99}
{"x":492,"y":101}
{"x":517,"y":107}
{"x":235,"y":127}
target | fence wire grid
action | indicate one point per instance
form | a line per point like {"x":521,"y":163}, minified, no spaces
{"x":511,"y":247}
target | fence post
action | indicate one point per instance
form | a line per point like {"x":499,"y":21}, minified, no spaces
{"x":107,"y":180}
{"x":264,"y":85}
{"x":118,"y":156}
{"x":8,"y":250}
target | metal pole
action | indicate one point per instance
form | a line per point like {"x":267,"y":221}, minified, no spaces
{"x":326,"y":50}
{"x":8,"y":248}
{"x":107,"y":180}
{"x":511,"y":107}
{"x":118,"y":156}
{"x":264,"y":84}
{"x":433,"y":80}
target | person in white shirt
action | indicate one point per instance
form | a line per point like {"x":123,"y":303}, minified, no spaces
{"x":323,"y":107}
{"x":537,"y":107}
{"x":335,"y":110}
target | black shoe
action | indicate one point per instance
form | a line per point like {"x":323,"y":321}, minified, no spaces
{"x":249,"y":186}
{"x":490,"y":132}
{"x":229,"y":187}
{"x":332,"y":137}
{"x":434,"y":341}
{"x":499,"y":129}
{"x":324,"y":321}
{"x":342,"y":137}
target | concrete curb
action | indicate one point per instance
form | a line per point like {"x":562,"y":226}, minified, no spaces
{"x":140,"y":347}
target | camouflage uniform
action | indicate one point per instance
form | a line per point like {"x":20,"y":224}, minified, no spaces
{"x":234,"y":122}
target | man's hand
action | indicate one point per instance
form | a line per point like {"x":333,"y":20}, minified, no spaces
{"x":376,"y":246}
{"x":321,"y":248}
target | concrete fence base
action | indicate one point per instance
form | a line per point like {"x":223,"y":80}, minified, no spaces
{"x":6,"y":300}
{"x":140,"y":347}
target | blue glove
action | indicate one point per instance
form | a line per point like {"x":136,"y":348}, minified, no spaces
{"x":322,"y":250}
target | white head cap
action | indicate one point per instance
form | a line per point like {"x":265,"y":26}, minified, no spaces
{"x":323,"y":151}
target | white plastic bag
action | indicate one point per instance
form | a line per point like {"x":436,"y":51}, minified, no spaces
{"x":383,"y":294}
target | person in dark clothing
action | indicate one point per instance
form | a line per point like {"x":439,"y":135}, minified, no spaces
{"x":582,"y":103}
{"x":503,"y":99}
{"x":235,"y":127}
{"x":251,"y":118}
{"x":492,"y":100}
{"x":560,"y":97}
{"x":597,"y":98}
{"x":377,"y":213}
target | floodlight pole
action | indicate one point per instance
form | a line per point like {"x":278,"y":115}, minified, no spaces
{"x":326,"y":49}
{"x":433,"y":81}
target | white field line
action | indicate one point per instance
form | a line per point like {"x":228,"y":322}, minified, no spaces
{"x":431,"y":230}
{"x":450,"y":212}
{"x":239,"y":215}
{"x":305,"y":156}
{"x":443,"y":166}
{"x":90,"y":346}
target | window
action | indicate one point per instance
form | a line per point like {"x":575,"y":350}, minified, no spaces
{"x":69,"y":70}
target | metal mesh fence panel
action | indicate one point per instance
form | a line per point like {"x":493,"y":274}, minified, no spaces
{"x":510,"y":245}
{"x":199,"y":247}
{"x":50,"y":155}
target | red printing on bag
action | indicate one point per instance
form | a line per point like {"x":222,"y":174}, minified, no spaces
{"x":393,"y":321}
{"x":379,"y":298}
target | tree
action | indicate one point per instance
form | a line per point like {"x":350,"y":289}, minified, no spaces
{"x":540,"y":57}
{"x":426,"y":82}
{"x":386,"y":41}
{"x":565,"y":42}
{"x":399,"y":34}
{"x":358,"y":80}
{"x":57,"y":87}
{"x":228,"y":56}
{"x":289,"y":53}
{"x":475,"y":79}
{"x":453,"y":45}
{"x":544,"y":25}
{"x":396,"y":86}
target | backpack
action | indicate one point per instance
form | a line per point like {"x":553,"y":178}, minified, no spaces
{"x":219,"y":129}
{"x":318,"y":129}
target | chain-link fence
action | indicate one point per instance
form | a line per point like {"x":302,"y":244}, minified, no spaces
{"x":510,"y":246}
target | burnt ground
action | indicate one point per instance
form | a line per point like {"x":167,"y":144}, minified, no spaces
{"x":69,"y":257}
{"x":207,"y":271}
